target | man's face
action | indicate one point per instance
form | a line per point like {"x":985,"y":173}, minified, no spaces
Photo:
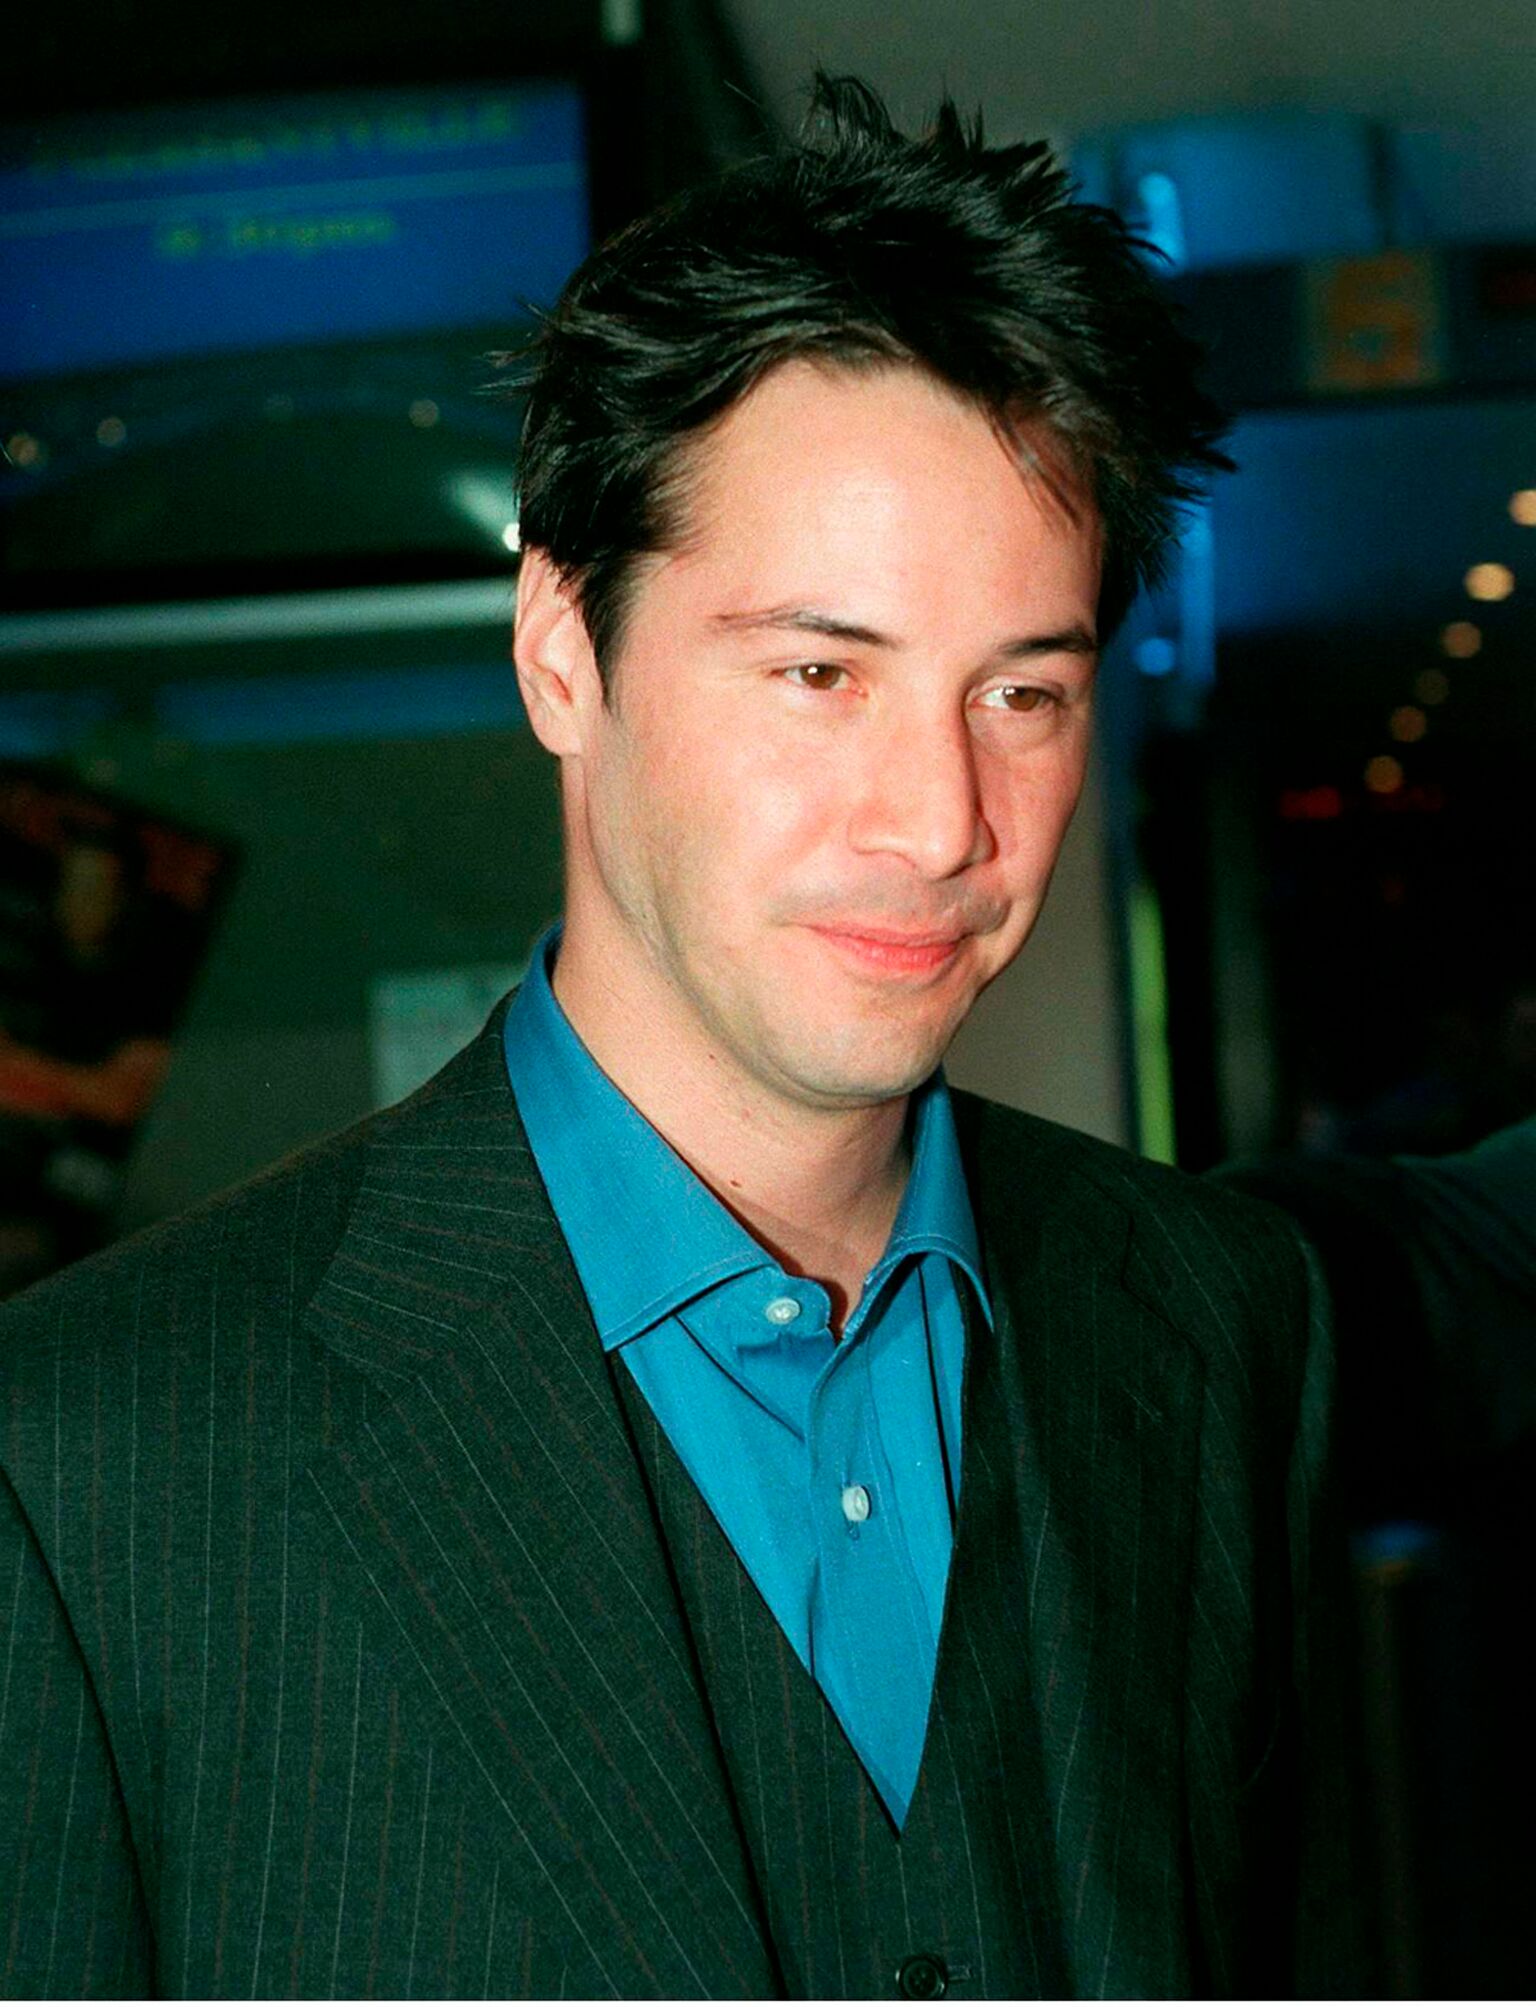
{"x":848,"y":726}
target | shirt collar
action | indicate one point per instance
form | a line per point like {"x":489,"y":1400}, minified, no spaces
{"x":647,"y":1235}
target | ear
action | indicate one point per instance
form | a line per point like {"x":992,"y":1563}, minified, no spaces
{"x":556,"y":668}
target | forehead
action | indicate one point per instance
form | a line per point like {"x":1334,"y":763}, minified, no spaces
{"x":855,"y":469}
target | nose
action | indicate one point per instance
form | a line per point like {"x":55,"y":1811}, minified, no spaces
{"x":921,"y":798}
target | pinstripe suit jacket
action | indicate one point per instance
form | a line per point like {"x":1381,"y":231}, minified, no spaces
{"x":341,"y":1654}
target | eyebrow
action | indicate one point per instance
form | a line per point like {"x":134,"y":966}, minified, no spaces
{"x":1073,"y":640}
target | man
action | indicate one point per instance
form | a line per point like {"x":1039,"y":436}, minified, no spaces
{"x":1431,"y":1270}
{"x":685,"y":1506}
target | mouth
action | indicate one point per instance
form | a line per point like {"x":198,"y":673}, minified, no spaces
{"x":890,"y":951}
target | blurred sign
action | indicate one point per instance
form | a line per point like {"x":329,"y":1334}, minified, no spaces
{"x":105,"y":915}
{"x":251,"y":224}
{"x":1374,"y":323}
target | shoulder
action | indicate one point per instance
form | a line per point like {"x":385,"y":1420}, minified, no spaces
{"x":1228,"y":1270}
{"x":1008,"y":1145}
{"x":149,"y":1310}
{"x":214,"y":1296}
{"x":286,"y":1206}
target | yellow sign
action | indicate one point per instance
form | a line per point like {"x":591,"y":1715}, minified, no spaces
{"x":1374,"y":323}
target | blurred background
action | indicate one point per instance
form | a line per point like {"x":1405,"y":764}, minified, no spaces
{"x":273,"y":832}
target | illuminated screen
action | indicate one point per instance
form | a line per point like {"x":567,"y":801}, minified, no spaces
{"x":138,"y":237}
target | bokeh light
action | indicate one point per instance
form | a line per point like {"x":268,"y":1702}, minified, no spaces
{"x":1384,"y":775}
{"x":1407,"y":724}
{"x":1489,"y":582}
{"x":1461,"y":639}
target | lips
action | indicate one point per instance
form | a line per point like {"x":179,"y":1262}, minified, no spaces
{"x":890,"y":951}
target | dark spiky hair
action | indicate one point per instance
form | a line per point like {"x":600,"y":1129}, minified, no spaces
{"x":858,"y":246}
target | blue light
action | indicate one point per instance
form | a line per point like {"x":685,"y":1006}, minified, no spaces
{"x":378,"y":704}
{"x":41,"y":724}
{"x":1161,"y":221}
{"x":1156,"y":656}
{"x":1396,"y":1544}
{"x":277,"y":710}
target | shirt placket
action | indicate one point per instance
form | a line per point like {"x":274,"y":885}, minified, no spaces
{"x":874,"y":1645}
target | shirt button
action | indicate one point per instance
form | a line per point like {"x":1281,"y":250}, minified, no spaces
{"x":782,"y":1310}
{"x":922,"y":1977}
{"x":856,"y":1503}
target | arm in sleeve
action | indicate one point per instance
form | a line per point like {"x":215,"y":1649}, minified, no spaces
{"x":72,"y":1916}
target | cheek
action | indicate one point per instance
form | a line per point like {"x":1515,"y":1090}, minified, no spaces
{"x":743,"y":803}
{"x":1029,"y":810}
{"x":711,"y":813}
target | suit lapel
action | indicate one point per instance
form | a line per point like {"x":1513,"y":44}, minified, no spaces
{"x":1082,"y":1446}
{"x":494,"y":1503}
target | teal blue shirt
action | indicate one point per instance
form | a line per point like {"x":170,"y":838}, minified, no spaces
{"x":833,"y":1467}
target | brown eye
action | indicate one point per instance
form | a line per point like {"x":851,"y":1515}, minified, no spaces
{"x":816,"y":675}
{"x":1022,"y":697}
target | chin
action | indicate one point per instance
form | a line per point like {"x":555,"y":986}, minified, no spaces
{"x":862,"y":1079}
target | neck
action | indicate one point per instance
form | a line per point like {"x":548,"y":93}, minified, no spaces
{"x":819,"y":1188}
